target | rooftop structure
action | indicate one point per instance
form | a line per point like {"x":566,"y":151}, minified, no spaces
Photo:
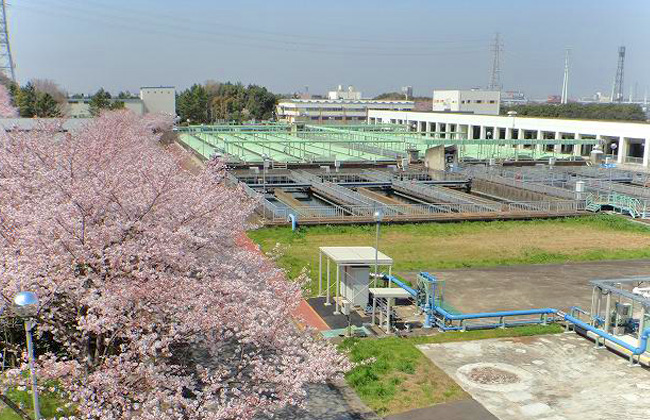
{"x":350,"y":95}
{"x":474,"y":101}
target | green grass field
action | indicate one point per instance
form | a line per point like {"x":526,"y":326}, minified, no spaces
{"x":400,"y":378}
{"x":50,"y":404}
{"x":430,"y":246}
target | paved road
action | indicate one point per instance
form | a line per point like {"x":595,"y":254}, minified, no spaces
{"x":469,"y":409}
{"x":330,"y":402}
{"x":529,"y":286}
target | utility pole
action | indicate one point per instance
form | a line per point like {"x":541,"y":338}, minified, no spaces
{"x":565,"y":83}
{"x":6,"y":60}
{"x":617,"y":88}
{"x":495,"y":77}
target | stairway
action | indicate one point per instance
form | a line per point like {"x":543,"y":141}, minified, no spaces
{"x":593,"y":207}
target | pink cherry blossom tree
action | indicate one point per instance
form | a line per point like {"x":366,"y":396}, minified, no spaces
{"x":7,"y":110}
{"x":150,"y":306}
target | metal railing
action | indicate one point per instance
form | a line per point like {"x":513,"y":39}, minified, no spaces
{"x":530,"y":186}
{"x":418,"y":211}
{"x":432,"y":192}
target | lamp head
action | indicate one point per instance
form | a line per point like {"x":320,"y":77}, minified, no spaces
{"x":26,"y":304}
{"x":378,"y":215}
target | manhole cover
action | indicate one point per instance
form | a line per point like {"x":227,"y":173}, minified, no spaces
{"x":488,"y":375}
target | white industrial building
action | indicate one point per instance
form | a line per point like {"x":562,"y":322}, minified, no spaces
{"x":341,"y":107}
{"x":628,"y":142}
{"x":351,"y":94}
{"x":473,"y":101}
{"x":160,"y":99}
{"x":339,"y":111}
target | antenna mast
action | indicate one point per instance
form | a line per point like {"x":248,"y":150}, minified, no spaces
{"x":565,"y":83}
{"x":495,"y":78}
{"x":6,"y":60}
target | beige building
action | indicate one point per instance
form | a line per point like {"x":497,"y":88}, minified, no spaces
{"x":152,"y":100}
{"x":334,"y":111}
{"x":473,"y":101}
{"x":160,"y":99}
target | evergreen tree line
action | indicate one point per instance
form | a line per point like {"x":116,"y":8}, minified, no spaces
{"x":224,"y":102}
{"x":102,"y":99}
{"x":32,"y":102}
{"x":624,"y":112}
{"x":42,"y":98}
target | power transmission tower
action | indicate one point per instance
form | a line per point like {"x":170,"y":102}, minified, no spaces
{"x":495,"y":79}
{"x":6,"y":60}
{"x":565,"y":82}
{"x":617,"y":88}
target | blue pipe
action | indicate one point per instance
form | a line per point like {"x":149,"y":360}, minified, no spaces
{"x":643,"y":339}
{"x":401,"y":284}
{"x":294,"y":221}
{"x":453,"y":317}
{"x":643,"y":342}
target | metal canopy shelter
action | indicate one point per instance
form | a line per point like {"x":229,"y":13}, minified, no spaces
{"x":343,"y":257}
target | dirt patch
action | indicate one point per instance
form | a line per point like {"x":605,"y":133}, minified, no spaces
{"x":492,"y":376}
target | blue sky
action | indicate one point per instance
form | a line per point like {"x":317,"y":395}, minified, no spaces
{"x":375,"y":45}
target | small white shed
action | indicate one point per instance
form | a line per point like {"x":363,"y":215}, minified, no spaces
{"x":353,"y":265}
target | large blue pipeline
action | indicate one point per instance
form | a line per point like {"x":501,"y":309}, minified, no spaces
{"x":436,"y":315}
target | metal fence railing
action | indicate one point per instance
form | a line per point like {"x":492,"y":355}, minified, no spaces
{"x":418,"y":211}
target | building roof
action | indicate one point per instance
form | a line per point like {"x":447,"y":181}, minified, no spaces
{"x":343,"y":101}
{"x":355,"y":255}
{"x":28,"y":124}
{"x":157,"y":87}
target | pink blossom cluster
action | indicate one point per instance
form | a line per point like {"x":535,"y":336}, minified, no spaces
{"x":154,"y":308}
{"x":7,"y":110}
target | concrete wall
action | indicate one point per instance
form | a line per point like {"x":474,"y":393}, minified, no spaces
{"x":508,"y":192}
{"x":434,"y":158}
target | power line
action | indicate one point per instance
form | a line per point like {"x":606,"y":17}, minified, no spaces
{"x":149,"y":17}
{"x":183,"y":32}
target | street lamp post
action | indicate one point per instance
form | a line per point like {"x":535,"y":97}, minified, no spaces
{"x":378,"y":215}
{"x":26,"y":306}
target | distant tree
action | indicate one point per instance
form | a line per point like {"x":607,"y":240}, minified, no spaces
{"x":126,"y":95}
{"x":46,"y":106}
{"x":54,"y":90}
{"x":103,"y":100}
{"x":99,"y":101}
{"x":25,"y":99}
{"x":216,"y":101}
{"x":625,"y":112}
{"x":192,"y":105}
{"x":398,"y":96}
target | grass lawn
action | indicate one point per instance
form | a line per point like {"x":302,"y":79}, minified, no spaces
{"x":430,"y":246}
{"x":400,"y":378}
{"x":49,"y":403}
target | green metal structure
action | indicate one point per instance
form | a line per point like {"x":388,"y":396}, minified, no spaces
{"x":278,"y":142}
